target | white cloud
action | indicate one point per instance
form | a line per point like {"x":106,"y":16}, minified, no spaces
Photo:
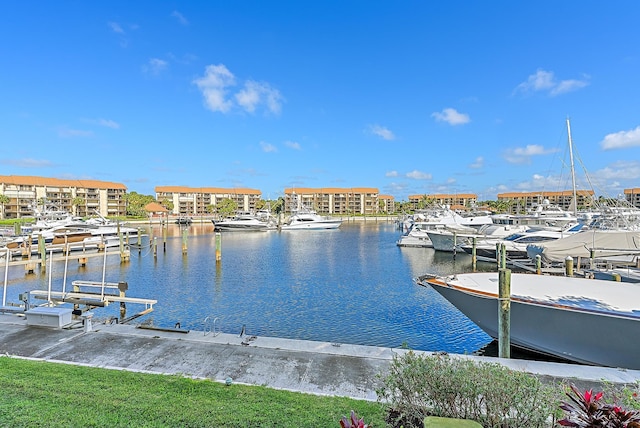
{"x":621,"y":140}
{"x":545,"y":81}
{"x":214,"y":83}
{"x":65,"y":132}
{"x":108,"y":123}
{"x":27,"y":163}
{"x":155,"y":66}
{"x":292,"y":145}
{"x":116,"y":28}
{"x":568,"y":86}
{"x":391,"y":174}
{"x":419,"y":175}
{"x":382,"y":132}
{"x":621,"y":170}
{"x":255,"y":93}
{"x":478,"y":163}
{"x":451,"y":116}
{"x":521,"y":155}
{"x":180,"y":17}
{"x":268,"y":148}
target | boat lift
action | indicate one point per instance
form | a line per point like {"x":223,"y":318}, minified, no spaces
{"x":91,"y":294}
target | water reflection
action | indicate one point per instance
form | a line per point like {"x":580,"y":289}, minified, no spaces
{"x":350,"y":285}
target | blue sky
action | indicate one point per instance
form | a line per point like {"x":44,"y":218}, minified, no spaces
{"x":411,"y":97}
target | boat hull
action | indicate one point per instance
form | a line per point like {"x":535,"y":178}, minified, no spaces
{"x":313,"y":225}
{"x":584,"y":336}
{"x":245,"y":225}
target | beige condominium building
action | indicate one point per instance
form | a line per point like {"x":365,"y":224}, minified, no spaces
{"x":458,"y":201}
{"x":521,"y":202}
{"x":336,"y":200}
{"x":79,"y":197}
{"x":633,"y":196}
{"x":195,"y":201}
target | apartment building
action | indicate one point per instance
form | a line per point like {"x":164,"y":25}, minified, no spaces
{"x":336,"y":200}
{"x":194,"y":201}
{"x":457,"y":201}
{"x":524,"y":201}
{"x":633,"y":196}
{"x":80,"y":197}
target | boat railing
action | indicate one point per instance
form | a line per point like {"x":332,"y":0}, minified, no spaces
{"x":210,"y":325}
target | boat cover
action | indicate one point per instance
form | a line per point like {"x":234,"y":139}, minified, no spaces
{"x":606,"y":243}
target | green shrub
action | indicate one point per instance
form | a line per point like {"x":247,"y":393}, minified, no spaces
{"x":418,"y":386}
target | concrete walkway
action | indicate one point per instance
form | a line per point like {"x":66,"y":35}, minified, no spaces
{"x":295,"y":365}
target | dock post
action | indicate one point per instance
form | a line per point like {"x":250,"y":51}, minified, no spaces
{"x":139,"y":241}
{"x":120,"y":239}
{"x":123,"y":286}
{"x":43,"y":253}
{"x":455,"y":244}
{"x":184,"y":241}
{"x":504,"y":313}
{"x":592,"y":257}
{"x":218,"y":246}
{"x":568,"y":266}
{"x":538,"y":264}
{"x":155,"y":248}
{"x":474,"y":257}
{"x":164,"y":237}
{"x":503,"y":256}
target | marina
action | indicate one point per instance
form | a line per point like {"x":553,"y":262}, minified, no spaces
{"x":348,"y":285}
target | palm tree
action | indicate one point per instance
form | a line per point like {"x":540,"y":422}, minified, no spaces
{"x":4,"y":199}
{"x":75,"y":203}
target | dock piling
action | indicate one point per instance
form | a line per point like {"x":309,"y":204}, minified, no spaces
{"x":474,"y":257}
{"x":155,"y":248}
{"x":504,"y":313}
{"x":184,"y":242}
{"x":568,"y":266}
{"x":218,"y":246}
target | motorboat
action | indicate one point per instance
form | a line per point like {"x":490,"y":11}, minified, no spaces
{"x":589,"y":321}
{"x":612,"y":245}
{"x":61,"y":229}
{"x":516,"y":244}
{"x":76,"y":235}
{"x":245,"y":222}
{"x":440,"y":219}
{"x":184,"y":220}
{"x":307,"y":219}
{"x":451,"y":239}
{"x":541,"y":216}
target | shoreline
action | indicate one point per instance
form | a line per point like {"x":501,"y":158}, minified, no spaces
{"x":314,"y":367}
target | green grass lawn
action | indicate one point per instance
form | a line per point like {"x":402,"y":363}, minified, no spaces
{"x":43,"y":394}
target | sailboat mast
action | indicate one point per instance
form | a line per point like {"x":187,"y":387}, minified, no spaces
{"x":573,"y":170}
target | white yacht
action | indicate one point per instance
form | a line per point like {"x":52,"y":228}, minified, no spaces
{"x":516,"y":243}
{"x":65,"y":229}
{"x":245,"y":222}
{"x":440,"y":219}
{"x":306,"y":219}
{"x":589,"y":321}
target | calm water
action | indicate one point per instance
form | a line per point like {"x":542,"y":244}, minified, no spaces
{"x":351,"y":285}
